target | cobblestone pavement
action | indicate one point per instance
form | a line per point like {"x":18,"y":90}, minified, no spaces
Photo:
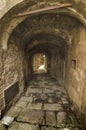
{"x":44,"y":106}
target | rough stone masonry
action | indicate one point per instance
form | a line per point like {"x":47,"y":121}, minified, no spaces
{"x":60,"y":34}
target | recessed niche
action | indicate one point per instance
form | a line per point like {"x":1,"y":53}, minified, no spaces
{"x":74,"y":63}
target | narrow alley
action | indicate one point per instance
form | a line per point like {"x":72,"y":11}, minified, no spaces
{"x":47,"y":36}
{"x":44,"y":106}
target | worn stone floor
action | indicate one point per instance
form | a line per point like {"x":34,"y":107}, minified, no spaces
{"x":44,"y":106}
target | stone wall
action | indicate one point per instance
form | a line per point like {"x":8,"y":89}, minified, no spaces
{"x":58,"y":62}
{"x":12,"y":70}
{"x":57,"y":69}
{"x":1,"y":79}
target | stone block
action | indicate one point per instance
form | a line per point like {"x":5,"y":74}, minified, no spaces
{"x":23,"y":126}
{"x":14,"y":111}
{"x":37,"y":106}
{"x":26,"y":99}
{"x":64,"y":128}
{"x":34,"y":90}
{"x":50,"y":100}
{"x":46,"y":91}
{"x":21,"y":104}
{"x":50,"y":119}
{"x":31,"y":116}
{"x":48,"y":128}
{"x":61,"y":119}
{"x":53,"y":107}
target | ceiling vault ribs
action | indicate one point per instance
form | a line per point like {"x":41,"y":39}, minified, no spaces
{"x":43,"y":10}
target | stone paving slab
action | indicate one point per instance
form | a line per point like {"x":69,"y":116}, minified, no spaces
{"x":68,"y":128}
{"x":37,"y":106}
{"x":76,"y":128}
{"x":51,"y":94}
{"x":59,"y":94}
{"x":61,"y":119}
{"x":65,"y":102}
{"x":40,"y":98}
{"x":55,"y":88}
{"x":64,"y":98}
{"x":22,"y":126}
{"x":50,"y":100}
{"x":64,"y":129}
{"x":35,"y":90}
{"x":22,"y":104}
{"x":48,"y":128}
{"x":53,"y":107}
{"x":31,"y":116}
{"x":45,"y":104}
{"x":46,"y":91}
{"x":26,"y":99}
{"x":14,"y":111}
{"x":43,"y":96}
{"x":50,"y":119}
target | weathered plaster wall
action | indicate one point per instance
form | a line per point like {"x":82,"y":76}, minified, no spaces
{"x":76,"y":69}
{"x":1,"y":79}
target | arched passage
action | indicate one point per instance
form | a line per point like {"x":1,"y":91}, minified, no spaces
{"x":58,"y":34}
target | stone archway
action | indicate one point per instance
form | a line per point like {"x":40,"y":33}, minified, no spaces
{"x":34,"y":33}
